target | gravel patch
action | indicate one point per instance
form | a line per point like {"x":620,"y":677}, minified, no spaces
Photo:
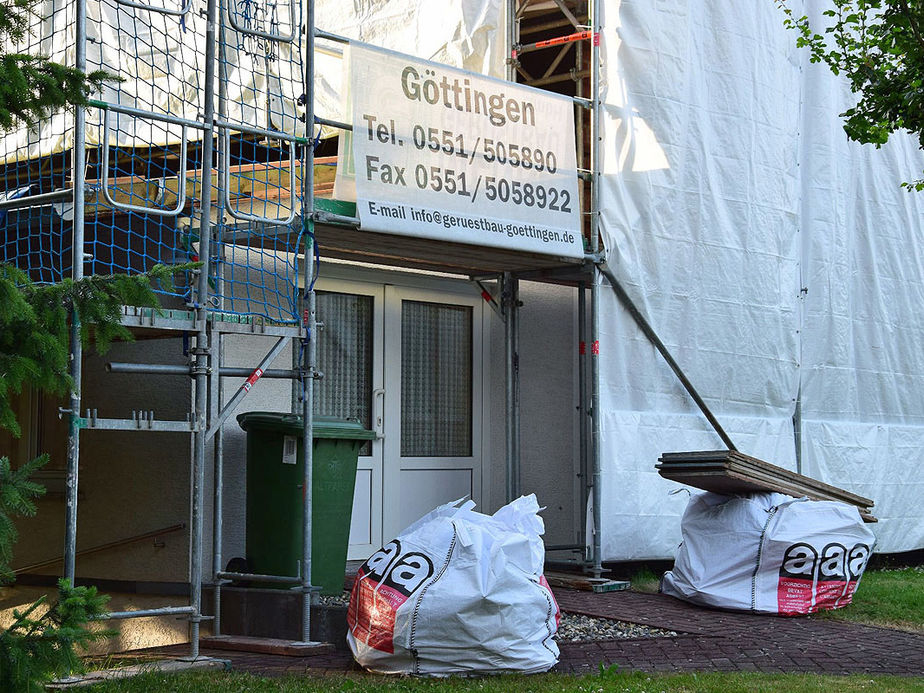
{"x":580,"y":628}
{"x":572,"y":628}
{"x":334,"y":599}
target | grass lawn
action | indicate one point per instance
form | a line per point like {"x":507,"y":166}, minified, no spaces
{"x":608,"y":680}
{"x":890,"y":598}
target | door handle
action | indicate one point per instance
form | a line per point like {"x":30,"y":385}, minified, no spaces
{"x":378,"y":413}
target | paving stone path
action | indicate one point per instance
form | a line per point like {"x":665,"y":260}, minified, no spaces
{"x":712,"y":640}
{"x":708,"y":640}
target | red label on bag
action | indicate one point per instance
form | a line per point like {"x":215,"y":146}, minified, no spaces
{"x":371,"y":615}
{"x":797,"y":577}
{"x":856,"y":563}
{"x":383,"y":583}
{"x":832,"y":577}
{"x":809,"y":582}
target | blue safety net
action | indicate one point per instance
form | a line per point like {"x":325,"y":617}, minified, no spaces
{"x":146,"y":179}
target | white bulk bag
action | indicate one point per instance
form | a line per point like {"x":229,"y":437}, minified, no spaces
{"x":457,"y":592}
{"x":769,"y":553}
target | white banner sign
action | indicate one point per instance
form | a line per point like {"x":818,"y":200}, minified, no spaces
{"x":443,"y":153}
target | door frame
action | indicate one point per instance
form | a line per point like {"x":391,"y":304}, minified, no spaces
{"x":347,"y":278}
{"x":372,"y":463}
{"x":394,"y":463}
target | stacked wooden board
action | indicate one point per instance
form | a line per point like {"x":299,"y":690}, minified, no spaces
{"x":583,"y":582}
{"x":731,"y":473}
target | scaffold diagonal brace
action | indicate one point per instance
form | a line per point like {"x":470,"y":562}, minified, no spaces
{"x":245,"y":386}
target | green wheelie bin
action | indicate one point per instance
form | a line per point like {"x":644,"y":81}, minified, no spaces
{"x":275,"y":496}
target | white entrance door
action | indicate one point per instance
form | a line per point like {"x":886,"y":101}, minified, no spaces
{"x":408,"y":363}
{"x":350,"y":357}
{"x":433,"y":400}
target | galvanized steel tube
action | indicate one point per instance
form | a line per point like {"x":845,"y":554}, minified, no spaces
{"x":76,"y":366}
{"x":595,"y":289}
{"x":309,"y":363}
{"x":583,"y":412}
{"x":595,"y":129}
{"x":511,"y":404}
{"x":215,"y":404}
{"x":202,"y":350}
{"x":595,"y":422}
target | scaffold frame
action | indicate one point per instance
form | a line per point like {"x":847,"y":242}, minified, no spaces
{"x":208,"y":309}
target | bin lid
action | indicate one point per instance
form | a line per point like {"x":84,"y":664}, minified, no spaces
{"x":291,"y":424}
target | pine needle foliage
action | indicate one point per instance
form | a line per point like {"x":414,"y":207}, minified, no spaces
{"x":42,"y":642}
{"x":17,"y":498}
{"x":35,"y":325}
{"x":32,"y":86}
{"x":35,"y":329}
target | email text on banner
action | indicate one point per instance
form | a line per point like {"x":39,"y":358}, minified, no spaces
{"x":442,"y":153}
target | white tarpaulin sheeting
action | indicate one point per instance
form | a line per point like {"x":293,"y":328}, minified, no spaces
{"x":462,"y":33}
{"x":161,"y":60}
{"x":863,"y":327}
{"x":728,"y":187}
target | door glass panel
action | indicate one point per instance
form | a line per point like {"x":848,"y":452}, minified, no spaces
{"x":436,"y":380}
{"x":345,"y":358}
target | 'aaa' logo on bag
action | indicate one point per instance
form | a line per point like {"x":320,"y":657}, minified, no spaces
{"x":811,"y":580}
{"x":383,"y":583}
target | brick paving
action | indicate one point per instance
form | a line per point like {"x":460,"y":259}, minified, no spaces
{"x":712,"y":640}
{"x":707,"y":640}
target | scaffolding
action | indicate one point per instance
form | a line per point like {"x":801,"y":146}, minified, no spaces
{"x":168,"y":166}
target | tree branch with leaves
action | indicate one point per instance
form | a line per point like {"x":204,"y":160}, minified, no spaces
{"x":878,"y":46}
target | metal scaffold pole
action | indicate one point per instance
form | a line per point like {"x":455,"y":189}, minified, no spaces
{"x":215,"y":405}
{"x":216,"y":398}
{"x":595,"y":290}
{"x":76,"y":356}
{"x":510,"y":304}
{"x":511,"y":40}
{"x":510,"y":298}
{"x":597,"y":491}
{"x":309,"y":318}
{"x":583,"y":409}
{"x":202,"y":350}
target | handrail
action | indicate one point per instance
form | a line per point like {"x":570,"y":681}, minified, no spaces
{"x":281,"y":38}
{"x":104,"y":547}
{"x":144,"y":209}
{"x":160,"y":10}
{"x":243,"y":216}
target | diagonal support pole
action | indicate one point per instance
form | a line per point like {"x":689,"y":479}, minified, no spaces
{"x":652,"y":336}
{"x":245,"y":387}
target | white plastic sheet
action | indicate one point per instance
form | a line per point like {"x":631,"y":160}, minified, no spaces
{"x":462,"y":33}
{"x":700,"y":202}
{"x":457,"y":592}
{"x":773,"y":258}
{"x":769,"y":553}
{"x":863,"y":332}
{"x":161,"y":59}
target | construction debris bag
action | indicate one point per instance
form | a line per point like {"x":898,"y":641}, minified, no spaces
{"x":769,"y":553}
{"x":457,"y":592}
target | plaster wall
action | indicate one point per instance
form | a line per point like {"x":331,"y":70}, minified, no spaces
{"x":549,"y":442}
{"x":130,"y":483}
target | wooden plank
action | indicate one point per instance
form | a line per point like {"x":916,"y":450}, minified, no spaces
{"x":171,"y":666}
{"x":587,"y":584}
{"x":246,"y":643}
{"x":732,"y":473}
{"x":740,"y":462}
{"x":429,"y":254}
{"x":258,"y":181}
